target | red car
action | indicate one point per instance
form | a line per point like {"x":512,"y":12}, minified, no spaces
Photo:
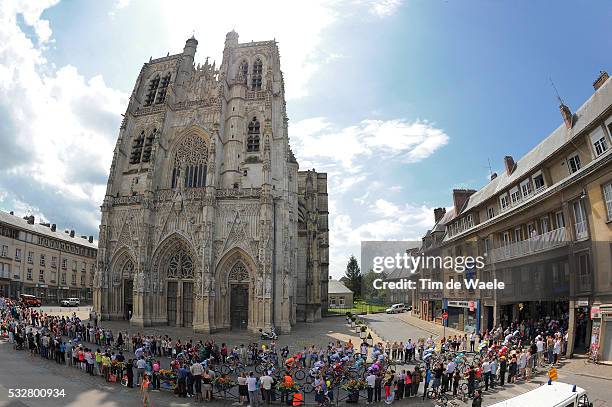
{"x":30,"y":300}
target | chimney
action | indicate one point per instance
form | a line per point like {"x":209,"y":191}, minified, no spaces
{"x":510,"y":165}
{"x":438,"y":214}
{"x":90,"y":239}
{"x":493,"y":176}
{"x":53,"y":227}
{"x":72,"y":233}
{"x":84,"y":237}
{"x":30,"y":219}
{"x":460,"y":197}
{"x":566,"y":113}
{"x":603,"y":77}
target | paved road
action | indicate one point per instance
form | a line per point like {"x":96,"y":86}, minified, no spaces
{"x":391,"y":328}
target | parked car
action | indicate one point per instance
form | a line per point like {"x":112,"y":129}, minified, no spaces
{"x":70,"y":302}
{"x":395,"y":309}
{"x":30,"y":300}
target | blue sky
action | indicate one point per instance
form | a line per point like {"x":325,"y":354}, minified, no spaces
{"x":399,"y":101}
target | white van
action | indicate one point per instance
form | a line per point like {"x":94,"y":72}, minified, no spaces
{"x":396,"y":308}
{"x":555,"y":394}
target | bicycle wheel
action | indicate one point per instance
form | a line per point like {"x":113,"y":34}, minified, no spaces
{"x":431,"y":393}
{"x":308,"y":388}
{"x":259,"y":368}
{"x":464,"y":388}
{"x":225,"y":369}
{"x":300,"y":374}
{"x":442,"y":397}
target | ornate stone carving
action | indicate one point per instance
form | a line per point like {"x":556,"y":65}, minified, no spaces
{"x":140,"y":282}
{"x":239,"y":273}
{"x":268,"y":286}
{"x":180,"y":266}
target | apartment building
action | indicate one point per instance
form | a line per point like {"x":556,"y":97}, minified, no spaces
{"x":37,"y":259}
{"x":544,"y":227}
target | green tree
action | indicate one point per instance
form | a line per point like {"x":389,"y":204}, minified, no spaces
{"x":368,"y":291}
{"x":353,"y":275}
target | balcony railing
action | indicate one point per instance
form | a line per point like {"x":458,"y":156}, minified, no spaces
{"x":546,"y":241}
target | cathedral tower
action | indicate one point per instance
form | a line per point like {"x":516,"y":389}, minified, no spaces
{"x":202,"y":215}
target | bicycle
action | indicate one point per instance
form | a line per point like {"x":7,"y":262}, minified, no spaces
{"x":436,"y":393}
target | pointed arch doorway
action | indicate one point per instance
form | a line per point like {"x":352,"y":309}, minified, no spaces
{"x":239,"y":297}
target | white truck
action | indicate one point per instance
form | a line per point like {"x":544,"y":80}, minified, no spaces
{"x":554,"y":394}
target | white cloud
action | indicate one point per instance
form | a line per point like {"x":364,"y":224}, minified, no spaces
{"x":62,"y":125}
{"x":384,"y":8}
{"x":315,"y":139}
{"x":118,"y":6}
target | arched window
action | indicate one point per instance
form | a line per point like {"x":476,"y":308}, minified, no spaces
{"x":253,"y":136}
{"x":153,"y":84}
{"x":243,"y":71}
{"x":137,"y":146}
{"x":148,"y":146}
{"x":190,"y":163}
{"x":257,"y":75}
{"x":157,"y":90}
{"x":163,"y":87}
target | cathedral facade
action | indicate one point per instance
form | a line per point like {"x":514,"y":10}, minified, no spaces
{"x":207,"y":221}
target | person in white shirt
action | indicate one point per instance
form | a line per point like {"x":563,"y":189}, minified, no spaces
{"x":450,"y":368}
{"x":540,"y":347}
{"x":370,"y":382}
{"x":486,"y":372}
{"x":557,"y":350}
{"x":266,"y":382}
{"x":251,"y":382}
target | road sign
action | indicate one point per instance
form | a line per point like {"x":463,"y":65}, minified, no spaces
{"x":445,"y":315}
{"x":552,"y":374}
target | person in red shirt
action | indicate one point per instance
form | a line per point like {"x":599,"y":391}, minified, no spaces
{"x":81,"y":357}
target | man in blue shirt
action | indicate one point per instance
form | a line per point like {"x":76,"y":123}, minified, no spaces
{"x":182,"y":381}
{"x":426,"y":384}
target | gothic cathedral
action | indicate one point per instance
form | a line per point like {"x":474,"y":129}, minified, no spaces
{"x":206,"y":221}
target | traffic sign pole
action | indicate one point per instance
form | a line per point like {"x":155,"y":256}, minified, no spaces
{"x":444,"y":319}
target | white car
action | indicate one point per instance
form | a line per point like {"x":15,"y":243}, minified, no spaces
{"x":395,"y":309}
{"x":70,"y":302}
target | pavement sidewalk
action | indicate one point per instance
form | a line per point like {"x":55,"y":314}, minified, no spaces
{"x":581,"y":367}
{"x":431,"y":327}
